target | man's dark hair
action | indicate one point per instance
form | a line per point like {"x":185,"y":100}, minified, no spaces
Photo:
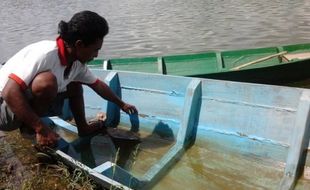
{"x":87,"y":26}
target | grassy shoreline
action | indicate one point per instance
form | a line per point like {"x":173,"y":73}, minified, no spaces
{"x":20,"y":169}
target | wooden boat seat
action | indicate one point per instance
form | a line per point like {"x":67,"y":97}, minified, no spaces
{"x":292,"y":56}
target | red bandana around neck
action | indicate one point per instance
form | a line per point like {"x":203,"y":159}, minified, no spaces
{"x":61,"y":51}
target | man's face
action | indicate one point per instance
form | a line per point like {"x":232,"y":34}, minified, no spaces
{"x":87,"y":53}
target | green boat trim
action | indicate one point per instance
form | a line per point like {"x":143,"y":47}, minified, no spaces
{"x":265,"y":65}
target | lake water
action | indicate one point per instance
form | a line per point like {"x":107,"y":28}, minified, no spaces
{"x":162,"y":27}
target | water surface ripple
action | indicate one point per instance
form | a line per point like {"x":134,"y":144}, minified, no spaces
{"x":162,"y":27}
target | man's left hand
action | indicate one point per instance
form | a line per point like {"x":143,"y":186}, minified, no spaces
{"x":129,"y":109}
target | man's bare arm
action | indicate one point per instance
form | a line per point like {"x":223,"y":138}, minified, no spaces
{"x":17,"y":101}
{"x":105,"y":92}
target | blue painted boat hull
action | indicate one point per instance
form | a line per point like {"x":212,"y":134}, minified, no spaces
{"x":197,"y":132}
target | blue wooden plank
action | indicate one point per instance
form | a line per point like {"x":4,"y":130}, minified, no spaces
{"x":64,"y":124}
{"x":185,"y":135}
{"x":299,"y":144}
{"x":103,"y":180}
{"x":250,"y":109}
{"x":113,"y":111}
{"x":120,"y":175}
{"x":191,"y":110}
{"x":156,"y":172}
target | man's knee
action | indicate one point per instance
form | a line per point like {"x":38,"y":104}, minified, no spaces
{"x":44,"y":85}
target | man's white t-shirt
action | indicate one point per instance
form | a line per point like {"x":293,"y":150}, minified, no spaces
{"x":39,"y":57}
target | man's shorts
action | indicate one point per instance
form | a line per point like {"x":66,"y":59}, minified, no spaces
{"x":9,"y":121}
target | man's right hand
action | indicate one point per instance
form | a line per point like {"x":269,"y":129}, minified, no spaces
{"x":46,"y":137}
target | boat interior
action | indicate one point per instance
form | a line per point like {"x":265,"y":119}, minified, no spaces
{"x":196,"y":133}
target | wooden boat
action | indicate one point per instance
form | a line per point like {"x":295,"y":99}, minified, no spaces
{"x":196,"y":134}
{"x":273,"y":65}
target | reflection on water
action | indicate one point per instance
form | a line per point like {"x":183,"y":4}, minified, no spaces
{"x":100,"y":149}
{"x":92,"y":151}
{"x":133,"y":154}
{"x":161,"y":27}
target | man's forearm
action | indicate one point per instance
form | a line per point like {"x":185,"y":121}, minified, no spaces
{"x":105,"y":92}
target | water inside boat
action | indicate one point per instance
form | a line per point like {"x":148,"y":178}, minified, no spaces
{"x":210,"y":166}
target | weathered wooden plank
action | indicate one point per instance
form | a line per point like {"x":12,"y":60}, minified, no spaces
{"x":98,"y":177}
{"x":113,"y":111}
{"x":299,"y":144}
{"x":292,"y":56}
{"x":191,"y":112}
{"x":185,"y":135}
{"x":161,"y":66}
